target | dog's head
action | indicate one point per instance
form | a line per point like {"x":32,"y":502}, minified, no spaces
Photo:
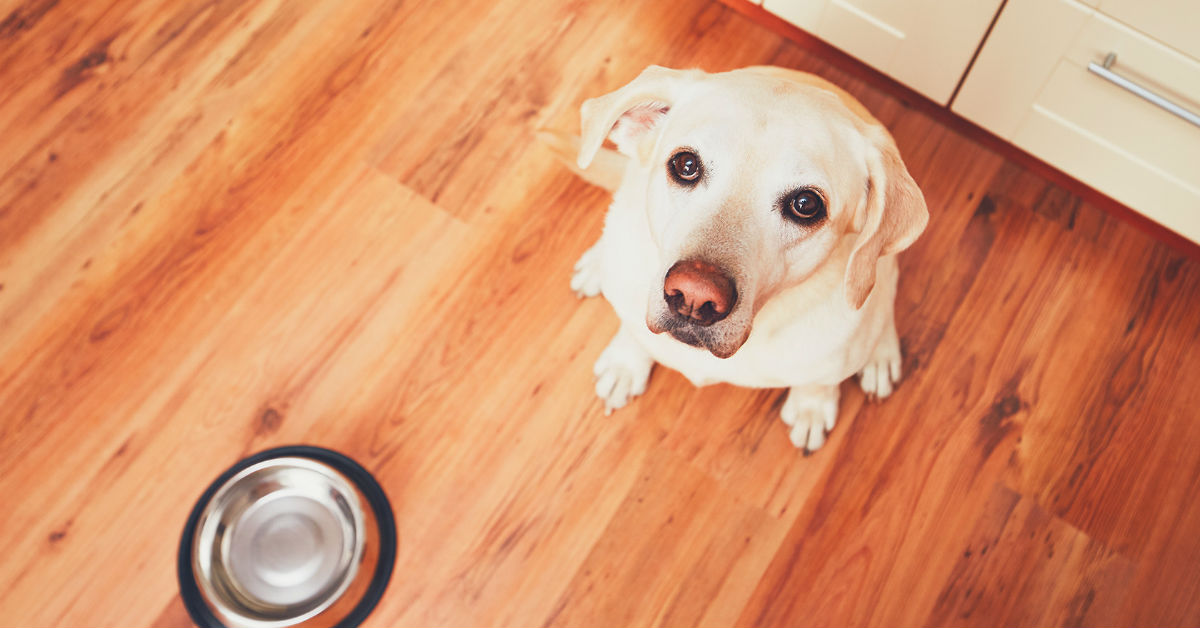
{"x":752,"y":181}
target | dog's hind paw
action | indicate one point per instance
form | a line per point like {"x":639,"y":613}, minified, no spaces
{"x":882,"y":372}
{"x":621,"y":371}
{"x":585,"y":281}
{"x":810,"y":412}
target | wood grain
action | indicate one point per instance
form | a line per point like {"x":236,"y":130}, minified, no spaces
{"x":228,"y":226}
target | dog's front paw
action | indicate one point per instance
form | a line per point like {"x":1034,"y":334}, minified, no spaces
{"x":621,"y":371}
{"x":585,"y":281}
{"x":882,"y":372}
{"x":810,"y":412}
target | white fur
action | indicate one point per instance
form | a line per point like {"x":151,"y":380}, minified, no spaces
{"x":761,"y":132}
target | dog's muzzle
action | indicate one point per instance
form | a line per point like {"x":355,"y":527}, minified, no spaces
{"x":699,"y":293}
{"x":696,"y":296}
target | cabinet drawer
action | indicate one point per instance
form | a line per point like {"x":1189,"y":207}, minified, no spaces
{"x":1037,"y":92}
{"x":925,"y":44}
{"x":1175,"y":23}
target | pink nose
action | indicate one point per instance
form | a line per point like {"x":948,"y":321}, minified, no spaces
{"x":699,"y":291}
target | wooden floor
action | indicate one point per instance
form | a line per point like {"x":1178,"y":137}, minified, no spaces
{"x":227,"y":225}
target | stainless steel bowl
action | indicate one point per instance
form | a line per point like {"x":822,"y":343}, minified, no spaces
{"x":287,"y":540}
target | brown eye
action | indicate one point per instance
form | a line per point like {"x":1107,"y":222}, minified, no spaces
{"x":685,"y":167}
{"x":804,"y":206}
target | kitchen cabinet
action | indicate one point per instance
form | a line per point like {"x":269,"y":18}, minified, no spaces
{"x":1038,"y":84}
{"x":925,"y":44}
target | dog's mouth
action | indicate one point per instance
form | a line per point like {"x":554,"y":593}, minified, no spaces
{"x":719,"y":342}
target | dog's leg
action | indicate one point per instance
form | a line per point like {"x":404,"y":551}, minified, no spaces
{"x":622,"y":371}
{"x":585,"y":281}
{"x":882,"y":372}
{"x":810,"y":412}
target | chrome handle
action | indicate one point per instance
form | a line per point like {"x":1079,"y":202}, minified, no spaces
{"x":1105,"y":72}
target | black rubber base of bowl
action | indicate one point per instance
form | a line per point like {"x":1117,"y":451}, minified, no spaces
{"x":372,"y":492}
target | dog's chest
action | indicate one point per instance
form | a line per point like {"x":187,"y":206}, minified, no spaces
{"x":778,"y":354}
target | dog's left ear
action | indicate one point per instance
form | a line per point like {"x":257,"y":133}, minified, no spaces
{"x":895,"y":215}
{"x":629,"y":113}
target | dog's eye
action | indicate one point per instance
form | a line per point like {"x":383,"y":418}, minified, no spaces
{"x":804,"y":206}
{"x":685,"y":167}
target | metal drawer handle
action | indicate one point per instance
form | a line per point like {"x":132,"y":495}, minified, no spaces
{"x":1105,"y":72}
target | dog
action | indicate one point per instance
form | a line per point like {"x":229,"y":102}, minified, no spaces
{"x":751,"y":239}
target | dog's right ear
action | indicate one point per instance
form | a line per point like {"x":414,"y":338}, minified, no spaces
{"x":627,"y":114}
{"x":895,"y":215}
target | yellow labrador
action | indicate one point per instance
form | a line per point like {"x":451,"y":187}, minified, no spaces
{"x":752,"y":236}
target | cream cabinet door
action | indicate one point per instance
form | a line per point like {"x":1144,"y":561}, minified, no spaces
{"x":1175,"y":23}
{"x":925,"y":44}
{"x":1031,"y":85}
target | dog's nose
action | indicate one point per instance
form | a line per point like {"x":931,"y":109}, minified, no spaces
{"x":699,"y":291}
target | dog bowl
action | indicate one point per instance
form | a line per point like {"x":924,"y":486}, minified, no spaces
{"x":293,"y":536}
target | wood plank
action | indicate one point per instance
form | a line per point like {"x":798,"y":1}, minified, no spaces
{"x":667,"y":553}
{"x":1023,"y":567}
